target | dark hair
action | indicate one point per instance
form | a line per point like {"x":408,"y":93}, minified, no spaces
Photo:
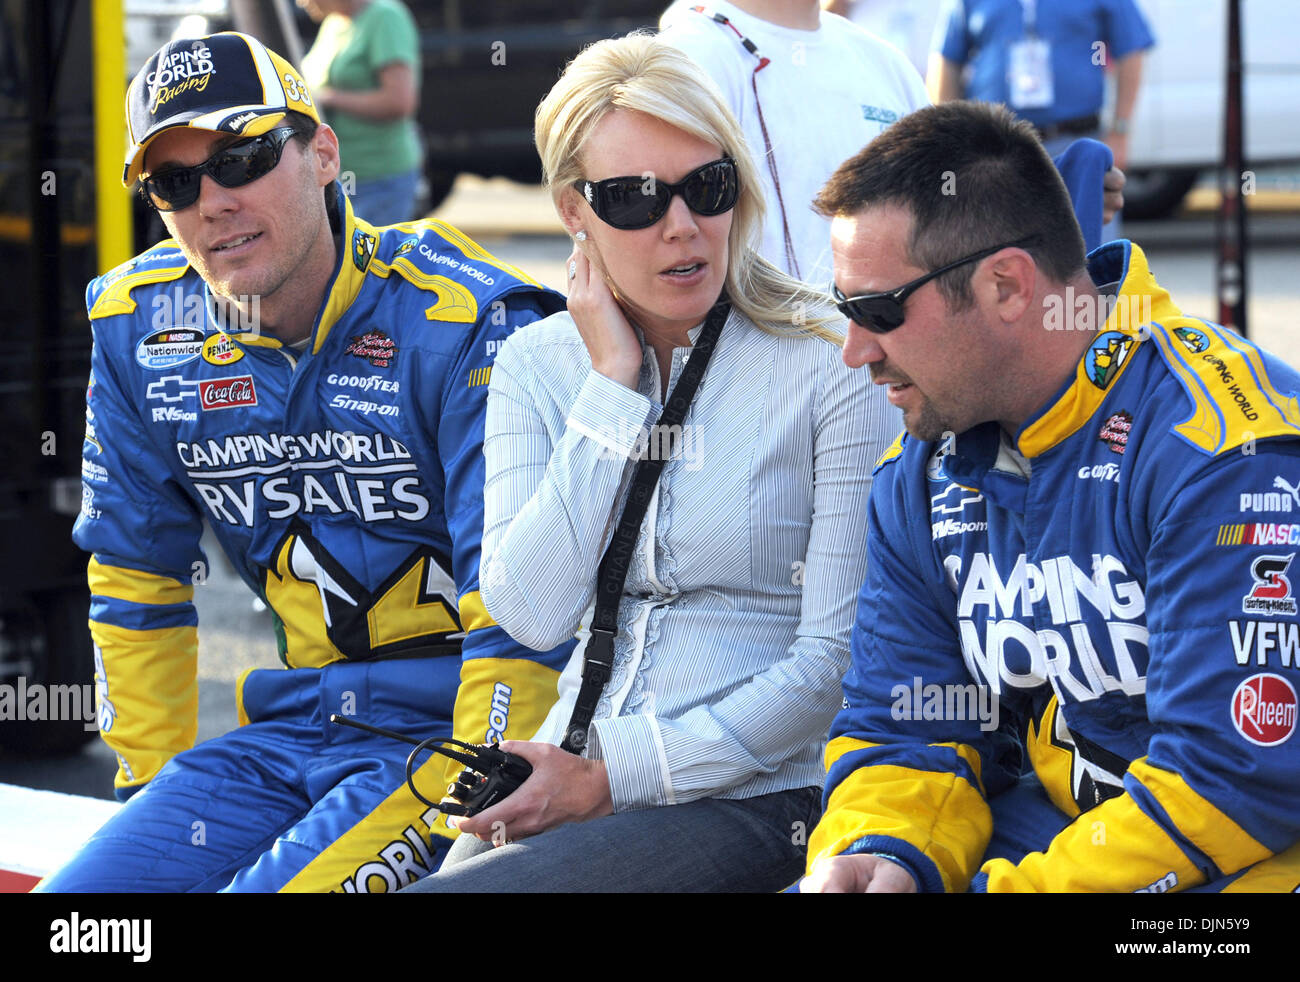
{"x":304,"y":127}
{"x":972,"y":176}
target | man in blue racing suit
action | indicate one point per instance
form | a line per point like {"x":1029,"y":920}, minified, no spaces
{"x":314,"y":387}
{"x":1081,"y":553}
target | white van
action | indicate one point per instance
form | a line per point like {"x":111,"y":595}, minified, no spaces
{"x":1178,"y":124}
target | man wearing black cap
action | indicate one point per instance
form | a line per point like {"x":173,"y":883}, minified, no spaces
{"x":314,"y":387}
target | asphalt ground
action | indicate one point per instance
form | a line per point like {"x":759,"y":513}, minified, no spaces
{"x":516,"y":223}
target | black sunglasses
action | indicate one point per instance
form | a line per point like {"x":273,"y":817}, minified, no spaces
{"x":232,"y":167}
{"x":639,"y":202}
{"x":881,"y":313}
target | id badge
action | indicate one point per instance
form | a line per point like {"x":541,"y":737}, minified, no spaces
{"x":1029,"y":74}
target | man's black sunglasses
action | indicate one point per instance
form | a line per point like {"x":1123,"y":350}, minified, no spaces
{"x":233,"y":166}
{"x":639,"y":202}
{"x":880,"y":313}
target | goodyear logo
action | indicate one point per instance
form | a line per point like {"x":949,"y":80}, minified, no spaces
{"x":480,"y":376}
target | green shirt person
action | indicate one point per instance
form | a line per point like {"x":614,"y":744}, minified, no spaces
{"x":364,"y":68}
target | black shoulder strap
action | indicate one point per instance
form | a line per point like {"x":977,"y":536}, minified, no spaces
{"x":598,"y":657}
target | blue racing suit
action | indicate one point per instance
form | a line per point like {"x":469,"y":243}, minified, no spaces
{"x":344,"y":482}
{"x":1108,"y":597}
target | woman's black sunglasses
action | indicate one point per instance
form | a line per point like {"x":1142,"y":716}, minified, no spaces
{"x":881,"y":313}
{"x":639,"y":202}
{"x":232,"y":167}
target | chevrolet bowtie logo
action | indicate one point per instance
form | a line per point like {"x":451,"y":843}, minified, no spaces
{"x":172,"y":388}
{"x":953,"y":499}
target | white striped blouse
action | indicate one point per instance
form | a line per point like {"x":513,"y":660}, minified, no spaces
{"x":735,"y":619}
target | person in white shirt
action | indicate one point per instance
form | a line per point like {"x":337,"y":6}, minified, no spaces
{"x":814,"y":91}
{"x":702,"y":766}
{"x":810,"y":90}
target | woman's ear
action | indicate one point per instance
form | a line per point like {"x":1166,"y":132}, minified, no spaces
{"x":573,"y":213}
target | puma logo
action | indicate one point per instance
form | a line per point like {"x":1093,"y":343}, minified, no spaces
{"x":1283,"y":486}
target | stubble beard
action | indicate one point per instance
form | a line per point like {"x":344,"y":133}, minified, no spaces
{"x":926,"y":424}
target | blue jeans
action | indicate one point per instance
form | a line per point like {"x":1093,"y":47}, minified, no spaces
{"x":387,"y":200}
{"x":713,"y":845}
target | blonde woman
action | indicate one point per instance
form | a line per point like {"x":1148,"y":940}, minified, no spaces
{"x":702,"y":768}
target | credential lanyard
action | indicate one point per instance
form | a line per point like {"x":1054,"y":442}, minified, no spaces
{"x":598,"y":656}
{"x":792,"y":263}
{"x":1030,"y":10}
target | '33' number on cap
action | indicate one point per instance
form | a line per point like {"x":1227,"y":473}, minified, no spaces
{"x":293,"y":91}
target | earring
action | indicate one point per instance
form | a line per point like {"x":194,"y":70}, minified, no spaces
{"x":580,"y":235}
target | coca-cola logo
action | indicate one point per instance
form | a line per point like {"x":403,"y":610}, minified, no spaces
{"x":224,"y":393}
{"x":1264,"y":709}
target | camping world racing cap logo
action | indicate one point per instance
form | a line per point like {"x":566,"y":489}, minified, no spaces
{"x":1271,"y":592}
{"x":1264,"y":710}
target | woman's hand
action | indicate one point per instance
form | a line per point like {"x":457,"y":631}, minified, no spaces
{"x":562,"y":788}
{"x":611,"y":342}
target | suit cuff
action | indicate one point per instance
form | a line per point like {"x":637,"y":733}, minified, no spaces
{"x":906,"y":855}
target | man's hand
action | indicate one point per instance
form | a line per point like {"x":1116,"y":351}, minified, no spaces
{"x":863,"y":873}
{"x":562,"y":788}
{"x":1112,"y":193}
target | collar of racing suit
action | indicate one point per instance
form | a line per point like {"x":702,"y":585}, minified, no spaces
{"x":1140,"y":301}
{"x":974,"y":462}
{"x":355,"y":241}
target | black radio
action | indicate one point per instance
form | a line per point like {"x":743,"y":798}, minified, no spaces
{"x":490,"y":773}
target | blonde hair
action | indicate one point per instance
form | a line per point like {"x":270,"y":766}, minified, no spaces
{"x":643,"y":74}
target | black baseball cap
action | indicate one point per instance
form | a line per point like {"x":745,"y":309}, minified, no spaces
{"x":226,"y":83}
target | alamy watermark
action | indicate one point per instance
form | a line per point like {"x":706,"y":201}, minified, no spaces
{"x":655,"y":442}
{"x":75,"y":934}
{"x":38,"y":702}
{"x":1091,"y":312}
{"x":177,"y":309}
{"x":953,"y":701}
